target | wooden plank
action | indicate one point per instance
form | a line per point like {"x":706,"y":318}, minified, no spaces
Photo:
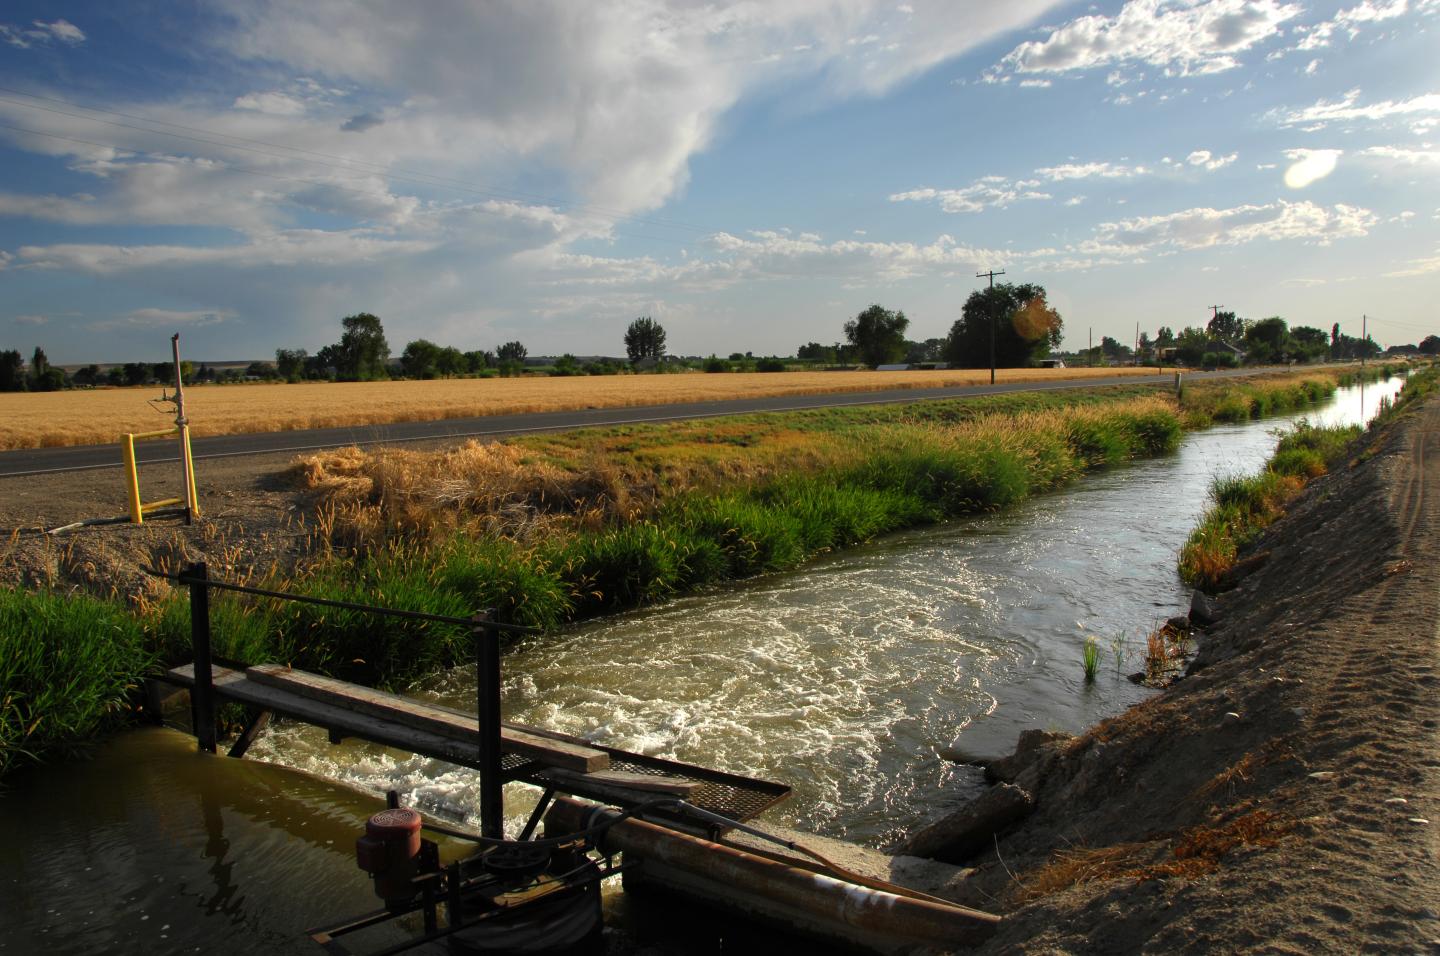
{"x":643,"y":782}
{"x":423,"y":716}
{"x":234,"y":685}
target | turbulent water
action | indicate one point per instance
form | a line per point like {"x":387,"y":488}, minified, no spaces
{"x":842,"y":679}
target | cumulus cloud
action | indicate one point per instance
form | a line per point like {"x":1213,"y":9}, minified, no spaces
{"x":1180,"y":37}
{"x":41,"y":33}
{"x":1309,"y":166}
{"x":1201,"y":228}
{"x":1204,"y":159}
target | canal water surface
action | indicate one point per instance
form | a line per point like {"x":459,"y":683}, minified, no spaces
{"x":845,"y":679}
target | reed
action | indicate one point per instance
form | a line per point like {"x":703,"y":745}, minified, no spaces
{"x":1090,"y":659}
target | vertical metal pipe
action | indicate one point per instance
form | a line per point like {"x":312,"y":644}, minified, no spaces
{"x":182,"y":425}
{"x":132,"y":479}
{"x":487,"y":691}
{"x":203,"y":695}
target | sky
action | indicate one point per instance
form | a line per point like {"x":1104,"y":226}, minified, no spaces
{"x":749,"y":174}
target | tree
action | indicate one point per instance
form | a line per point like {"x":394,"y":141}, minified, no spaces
{"x":511,"y":353}
{"x":1226,"y":327}
{"x":363,"y":350}
{"x":1267,"y":340}
{"x":1430,"y":345}
{"x":1165,"y":338}
{"x":1190,"y":346}
{"x":451,"y":361}
{"x":1025,"y":327}
{"x":12,"y":371}
{"x":645,"y":339}
{"x":1308,"y":343}
{"x":878,"y":335}
{"x":38,"y":364}
{"x":420,"y":359}
{"x":87,"y":375}
{"x":478,"y":360}
{"x":290,"y":363}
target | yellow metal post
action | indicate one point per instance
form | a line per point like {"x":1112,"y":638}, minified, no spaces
{"x":192,"y":500}
{"x":137,"y":512}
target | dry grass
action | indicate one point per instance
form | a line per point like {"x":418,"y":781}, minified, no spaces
{"x":1195,"y":852}
{"x":97,"y":416}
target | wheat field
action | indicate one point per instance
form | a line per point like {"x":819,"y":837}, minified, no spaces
{"x":99,"y":416}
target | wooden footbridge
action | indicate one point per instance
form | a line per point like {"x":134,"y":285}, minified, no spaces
{"x":501,"y":751}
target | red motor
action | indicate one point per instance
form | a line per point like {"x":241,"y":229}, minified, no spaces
{"x":390,"y":851}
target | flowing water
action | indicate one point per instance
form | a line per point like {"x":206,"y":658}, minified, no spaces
{"x":843,"y":679}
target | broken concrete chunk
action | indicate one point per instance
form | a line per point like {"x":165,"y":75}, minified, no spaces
{"x":970,"y":829}
{"x":1202,"y":609}
{"x":1029,"y":749}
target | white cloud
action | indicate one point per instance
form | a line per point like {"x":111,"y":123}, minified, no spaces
{"x":1203,"y":227}
{"x":1208,"y":161}
{"x":1319,"y":35}
{"x":163,"y":319}
{"x":618,"y":95}
{"x":1074,"y":200}
{"x":1192,"y":36}
{"x":984,"y":193}
{"x":1325,"y":112}
{"x":1417,"y":267}
{"x":1309,"y":166}
{"x":32,"y":319}
{"x":1070,"y":171}
{"x":1312,"y":67}
{"x":1035,"y":84}
{"x":1403,"y":156}
{"x":62,"y":31}
{"x":273,"y":102}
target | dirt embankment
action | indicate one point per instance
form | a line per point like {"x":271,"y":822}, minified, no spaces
{"x":1283,"y":796}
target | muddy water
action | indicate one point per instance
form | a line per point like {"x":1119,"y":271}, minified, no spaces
{"x":842,"y":679}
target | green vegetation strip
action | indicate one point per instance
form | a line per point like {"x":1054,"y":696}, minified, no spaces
{"x":69,"y":662}
{"x":1241,"y":507}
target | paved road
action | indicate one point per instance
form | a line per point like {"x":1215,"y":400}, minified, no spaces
{"x":40,"y":461}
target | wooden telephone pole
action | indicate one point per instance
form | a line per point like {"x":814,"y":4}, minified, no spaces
{"x":991,"y":274}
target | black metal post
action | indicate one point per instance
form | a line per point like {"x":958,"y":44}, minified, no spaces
{"x":202,"y":696}
{"x":487,"y":692}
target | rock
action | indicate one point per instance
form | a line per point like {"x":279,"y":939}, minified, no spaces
{"x":1027,"y":752}
{"x":956,"y":754}
{"x":970,"y":829}
{"x":1202,"y":609}
{"x":1179,"y":623}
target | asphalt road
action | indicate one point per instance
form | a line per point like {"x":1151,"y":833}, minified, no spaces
{"x":41,"y":461}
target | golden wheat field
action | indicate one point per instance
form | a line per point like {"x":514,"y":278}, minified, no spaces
{"x":97,"y":416}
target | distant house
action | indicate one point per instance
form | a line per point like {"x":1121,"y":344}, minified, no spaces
{"x":897,"y":367}
{"x":1050,"y":363}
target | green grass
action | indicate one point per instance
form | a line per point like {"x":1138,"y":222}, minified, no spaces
{"x":1243,"y":506}
{"x":68,"y":667}
{"x":1090,"y":659}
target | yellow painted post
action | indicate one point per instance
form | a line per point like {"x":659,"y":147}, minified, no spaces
{"x":127,"y":446}
{"x":192,"y":500}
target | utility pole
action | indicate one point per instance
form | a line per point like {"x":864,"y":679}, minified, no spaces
{"x":1364,"y":347}
{"x":1090,"y":352}
{"x":992,"y":274}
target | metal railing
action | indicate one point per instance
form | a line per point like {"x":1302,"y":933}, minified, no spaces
{"x":483,"y":627}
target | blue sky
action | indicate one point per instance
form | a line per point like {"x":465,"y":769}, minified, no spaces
{"x":247,"y":172}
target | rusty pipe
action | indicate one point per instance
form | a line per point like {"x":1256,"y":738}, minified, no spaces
{"x":808,"y":901}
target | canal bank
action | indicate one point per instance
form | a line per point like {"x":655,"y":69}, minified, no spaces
{"x":1282,"y":796}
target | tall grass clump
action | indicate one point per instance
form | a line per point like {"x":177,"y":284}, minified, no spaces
{"x":1206,"y":403}
{"x":68,"y":664}
{"x":1090,"y":659}
{"x":1241,"y":507}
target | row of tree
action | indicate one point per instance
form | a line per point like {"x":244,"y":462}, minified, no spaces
{"x":1010,"y":322}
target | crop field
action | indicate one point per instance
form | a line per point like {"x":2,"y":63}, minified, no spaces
{"x":97,"y":416}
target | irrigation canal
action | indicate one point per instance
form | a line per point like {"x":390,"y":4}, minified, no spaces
{"x":842,"y":679}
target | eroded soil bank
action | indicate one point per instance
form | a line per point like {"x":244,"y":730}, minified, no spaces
{"x":1283,"y":796}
